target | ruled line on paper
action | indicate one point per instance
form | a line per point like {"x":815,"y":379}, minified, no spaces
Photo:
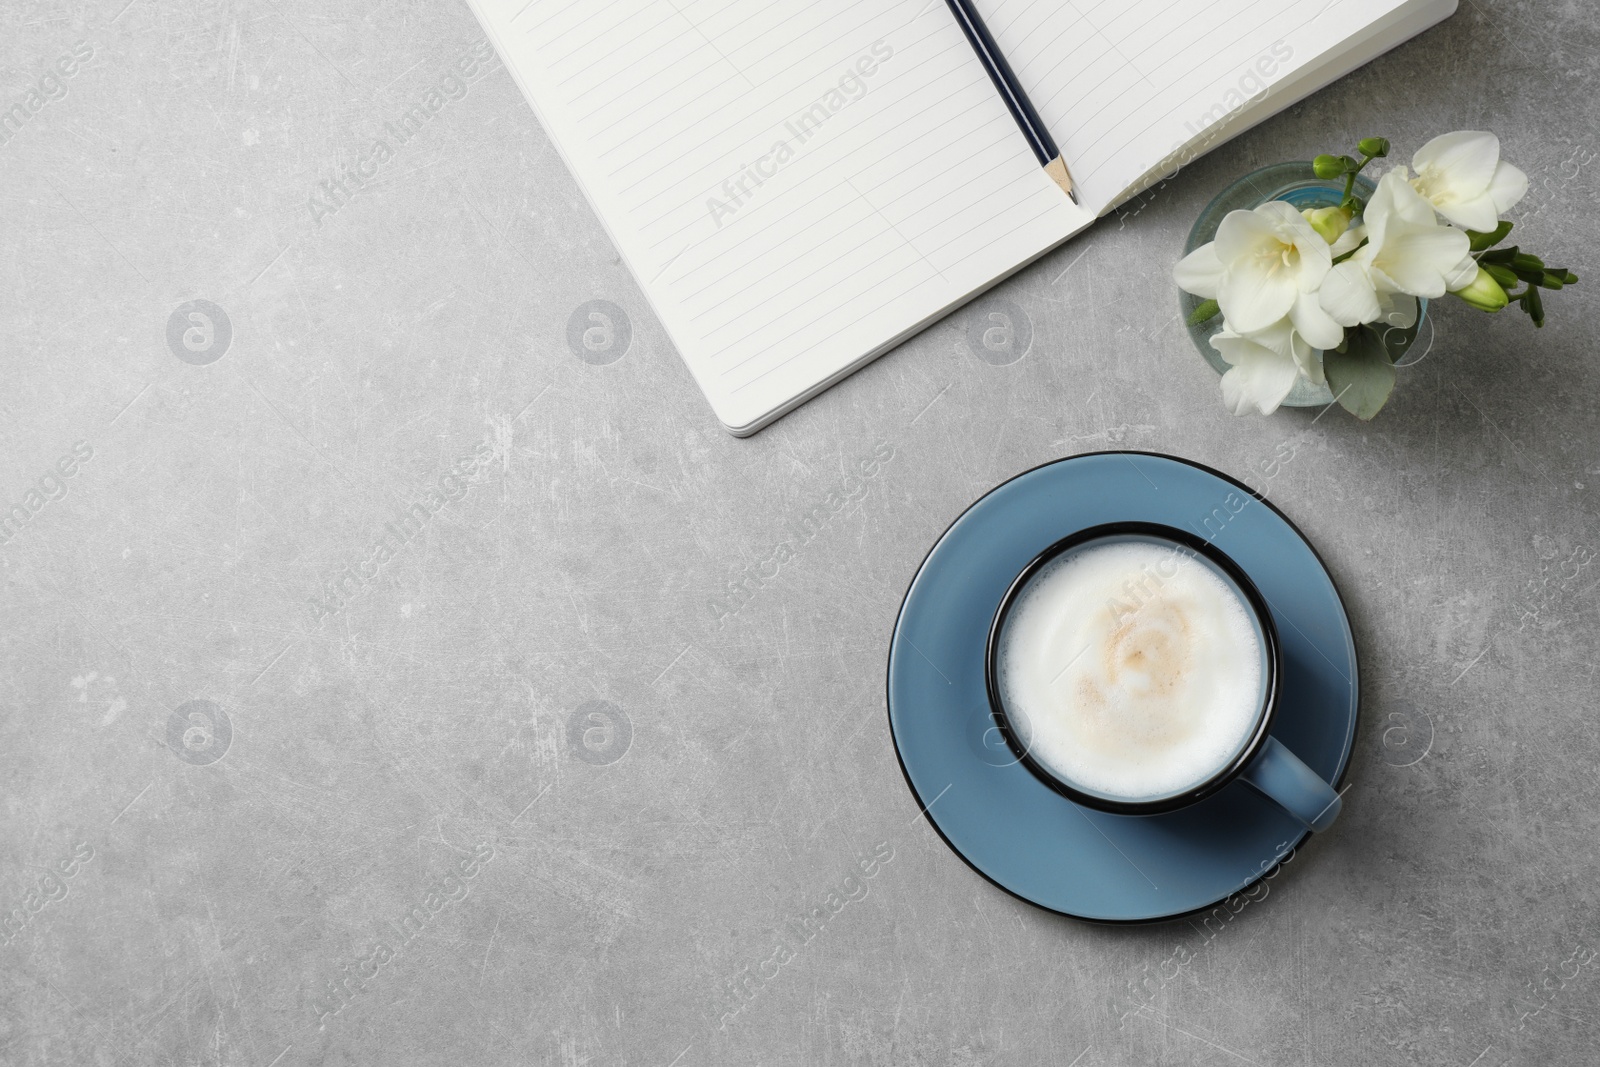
{"x":1112,"y":79}
{"x":910,"y":187}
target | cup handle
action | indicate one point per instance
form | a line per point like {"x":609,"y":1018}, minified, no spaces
{"x":1280,"y":776}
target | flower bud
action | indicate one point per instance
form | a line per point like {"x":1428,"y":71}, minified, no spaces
{"x":1326,"y":166}
{"x":1329,"y":222}
{"x":1373,"y":147}
{"x":1483,"y":292}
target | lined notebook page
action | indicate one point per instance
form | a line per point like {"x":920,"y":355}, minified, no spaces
{"x":1122,"y":84}
{"x":797,"y":185}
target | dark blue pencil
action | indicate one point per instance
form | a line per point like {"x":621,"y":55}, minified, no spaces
{"x":1017,"y":102}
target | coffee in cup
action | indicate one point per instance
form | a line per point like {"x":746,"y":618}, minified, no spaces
{"x":1134,"y":668}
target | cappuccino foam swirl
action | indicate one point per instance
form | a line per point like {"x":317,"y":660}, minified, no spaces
{"x":1132,"y":668}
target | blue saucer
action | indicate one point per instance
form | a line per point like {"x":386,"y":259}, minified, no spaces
{"x":1012,"y":829}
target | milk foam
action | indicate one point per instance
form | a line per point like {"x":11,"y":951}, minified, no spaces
{"x":1132,"y":668}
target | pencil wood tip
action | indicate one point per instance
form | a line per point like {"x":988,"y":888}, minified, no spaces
{"x":1057,"y":169}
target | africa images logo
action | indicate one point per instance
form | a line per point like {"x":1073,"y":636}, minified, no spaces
{"x":199,"y":332}
{"x":753,"y":577}
{"x":351,"y":582}
{"x":450,"y":888}
{"x":598,"y":332}
{"x":333,"y":194}
{"x":736,"y":992}
{"x":49,"y":887}
{"x":50,"y":487}
{"x":599,"y":733}
{"x":800,"y":128}
{"x":46,"y":89}
{"x":199,"y":732}
{"x":1000,"y":332}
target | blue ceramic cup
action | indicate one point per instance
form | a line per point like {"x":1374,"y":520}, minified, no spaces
{"x":1262,"y":762}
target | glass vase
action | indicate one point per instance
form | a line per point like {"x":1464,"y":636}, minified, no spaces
{"x":1295,"y":184}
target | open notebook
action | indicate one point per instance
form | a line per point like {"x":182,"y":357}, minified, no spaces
{"x":799,"y":185}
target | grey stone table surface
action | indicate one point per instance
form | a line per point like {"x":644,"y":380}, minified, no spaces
{"x":239,"y":744}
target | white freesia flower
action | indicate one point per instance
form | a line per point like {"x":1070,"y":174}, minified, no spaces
{"x":1264,"y":265}
{"x":1199,"y":271}
{"x":1462,"y":175}
{"x":1407,"y":251}
{"x":1259,"y":376}
{"x":1349,"y":241}
{"x":1285,"y":285}
{"x":1287,"y":339}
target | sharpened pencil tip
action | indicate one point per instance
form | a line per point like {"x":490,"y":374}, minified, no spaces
{"x":1057,"y":169}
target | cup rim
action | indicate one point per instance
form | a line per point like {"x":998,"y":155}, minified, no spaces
{"x":1269,"y":690}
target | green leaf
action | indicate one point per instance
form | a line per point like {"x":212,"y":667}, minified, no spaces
{"x":1500,"y":255}
{"x":1533,"y":304}
{"x":1482,"y":241}
{"x":1206,"y":311}
{"x":1501,"y":274}
{"x":1396,"y":340}
{"x":1362,"y":376}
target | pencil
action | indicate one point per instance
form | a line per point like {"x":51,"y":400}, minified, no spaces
{"x":1010,"y":89}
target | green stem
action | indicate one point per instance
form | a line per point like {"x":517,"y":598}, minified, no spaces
{"x":1340,"y":259}
{"x":1349,"y":201}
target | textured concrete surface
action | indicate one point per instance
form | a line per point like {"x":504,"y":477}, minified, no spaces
{"x":240,"y":744}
